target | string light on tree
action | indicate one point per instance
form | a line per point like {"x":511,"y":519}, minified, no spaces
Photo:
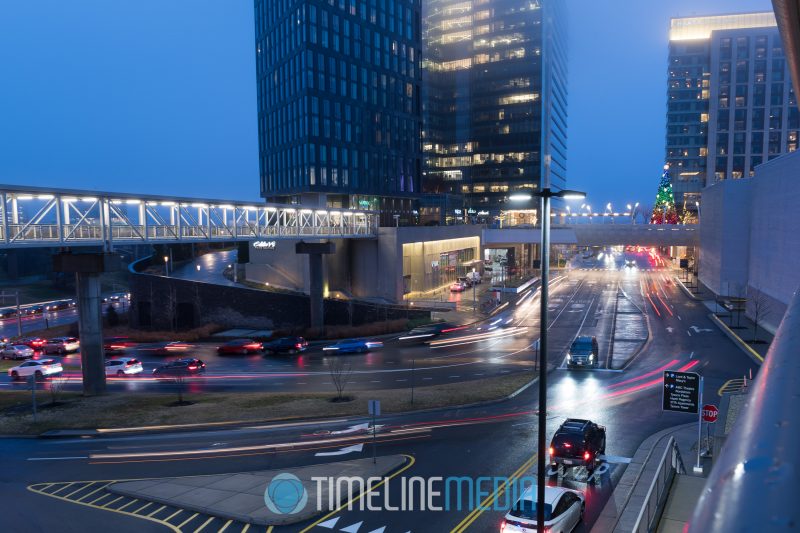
{"x":664,"y":210}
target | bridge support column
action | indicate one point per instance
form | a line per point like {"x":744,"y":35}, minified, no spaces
{"x":315,"y":251}
{"x":87,"y":269}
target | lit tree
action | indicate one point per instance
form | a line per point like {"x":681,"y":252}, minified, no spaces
{"x":664,"y":208}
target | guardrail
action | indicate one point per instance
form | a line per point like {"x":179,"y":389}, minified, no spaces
{"x":754,"y":483}
{"x":670,"y":464}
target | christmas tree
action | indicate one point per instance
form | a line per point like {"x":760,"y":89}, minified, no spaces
{"x":664,"y":210}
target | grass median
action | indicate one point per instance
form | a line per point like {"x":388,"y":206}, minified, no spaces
{"x":122,"y":410}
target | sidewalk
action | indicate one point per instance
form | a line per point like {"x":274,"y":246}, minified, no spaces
{"x":626,"y":502}
{"x":241,"y":496}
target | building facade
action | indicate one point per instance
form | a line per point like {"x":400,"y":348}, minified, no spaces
{"x":494,"y":100}
{"x":339,"y":109}
{"x":730,"y":101}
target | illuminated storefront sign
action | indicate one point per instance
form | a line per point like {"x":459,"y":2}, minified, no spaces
{"x":265,"y":245}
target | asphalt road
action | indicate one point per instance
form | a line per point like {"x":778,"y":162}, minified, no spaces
{"x":496,"y":440}
{"x":581,"y":302}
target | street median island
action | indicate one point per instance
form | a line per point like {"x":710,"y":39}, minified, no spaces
{"x":241,"y":496}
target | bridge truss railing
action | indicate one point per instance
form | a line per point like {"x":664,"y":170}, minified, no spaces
{"x":41,"y":217}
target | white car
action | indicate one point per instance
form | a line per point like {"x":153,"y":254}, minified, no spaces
{"x":17,"y":351}
{"x":563,"y":510}
{"x":40,"y":368}
{"x":61,"y":345}
{"x":124,"y":366}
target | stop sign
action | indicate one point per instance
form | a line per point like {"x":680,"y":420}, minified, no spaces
{"x":710,"y":413}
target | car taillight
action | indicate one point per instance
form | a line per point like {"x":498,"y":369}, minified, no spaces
{"x":552,"y":452}
{"x":586,"y":456}
{"x":567,"y":445}
{"x":298,"y":345}
{"x":502,"y":526}
{"x":192,"y":367}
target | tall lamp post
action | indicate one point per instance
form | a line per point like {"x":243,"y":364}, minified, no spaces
{"x":541,"y":477}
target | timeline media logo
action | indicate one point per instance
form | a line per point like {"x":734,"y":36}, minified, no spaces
{"x":285,"y":494}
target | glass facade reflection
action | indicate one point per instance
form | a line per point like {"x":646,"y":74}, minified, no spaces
{"x":486,"y":66}
{"x":731,"y":105}
{"x":339,"y":107}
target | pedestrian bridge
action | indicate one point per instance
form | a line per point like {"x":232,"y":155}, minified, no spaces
{"x":599,"y":235}
{"x":45,"y":217}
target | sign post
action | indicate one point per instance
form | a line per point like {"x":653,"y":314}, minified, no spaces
{"x":683,"y":393}
{"x":710,"y":414}
{"x":374,"y":410}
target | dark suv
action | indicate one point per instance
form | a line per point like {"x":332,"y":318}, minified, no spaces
{"x":577,"y":443}
{"x":583,"y":352}
{"x":290,"y":345}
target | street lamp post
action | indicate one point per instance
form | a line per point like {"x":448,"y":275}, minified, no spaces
{"x":166,"y":265}
{"x":541,"y":477}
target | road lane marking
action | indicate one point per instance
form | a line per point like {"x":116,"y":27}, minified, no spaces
{"x":372,"y":488}
{"x":76,"y":457}
{"x":489,"y":500}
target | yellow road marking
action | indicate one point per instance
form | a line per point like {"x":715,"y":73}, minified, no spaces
{"x":158,"y":510}
{"x":245,"y":528}
{"x":105,"y":506}
{"x":62,"y":488}
{"x":188,"y":520}
{"x":78,"y":490}
{"x":735,"y":383}
{"x":223,"y":528}
{"x":170,"y":517}
{"x":94,"y":502}
{"x":411,"y":462}
{"x":93,"y":492}
{"x":199,"y":529}
{"x":128,"y":504}
{"x":142,"y":508}
{"x":170,"y":526}
{"x":484,"y":505}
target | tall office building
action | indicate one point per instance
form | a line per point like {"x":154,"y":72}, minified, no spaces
{"x":730,"y":102}
{"x":495,"y":100}
{"x":339,"y":112}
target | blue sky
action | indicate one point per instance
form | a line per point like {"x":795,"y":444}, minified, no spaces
{"x":158,"y":96}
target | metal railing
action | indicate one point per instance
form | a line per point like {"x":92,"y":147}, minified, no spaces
{"x":36,"y":216}
{"x":755,"y":483}
{"x":670,"y":464}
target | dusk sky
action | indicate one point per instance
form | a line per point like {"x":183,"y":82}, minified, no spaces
{"x":158,"y":96}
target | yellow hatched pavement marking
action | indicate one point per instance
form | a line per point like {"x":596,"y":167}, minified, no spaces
{"x":158,"y":510}
{"x":143,"y":507}
{"x":98,"y":489}
{"x":188,"y":520}
{"x":105,"y":505}
{"x":199,"y":529}
{"x":223,"y":528}
{"x":78,"y":490}
{"x":173,"y":515}
{"x":62,"y":488}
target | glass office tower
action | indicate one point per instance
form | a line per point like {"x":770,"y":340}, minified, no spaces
{"x":731,"y":105}
{"x":495,"y":100}
{"x":339,"y":112}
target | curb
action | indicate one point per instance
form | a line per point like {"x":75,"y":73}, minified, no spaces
{"x":686,"y":291}
{"x":737,"y":340}
{"x":611,"y":511}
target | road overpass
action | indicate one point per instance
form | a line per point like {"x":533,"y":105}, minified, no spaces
{"x":598,"y":235}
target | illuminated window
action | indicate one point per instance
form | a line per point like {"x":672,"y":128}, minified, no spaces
{"x":518,"y":98}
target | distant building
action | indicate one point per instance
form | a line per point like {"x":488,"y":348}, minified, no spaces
{"x":487,"y":69}
{"x":730,"y":102}
{"x":339,"y":112}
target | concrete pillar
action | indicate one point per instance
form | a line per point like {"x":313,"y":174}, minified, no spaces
{"x":315,"y":251}
{"x":316,"y":289}
{"x":87,"y":268}
{"x":90,"y":326}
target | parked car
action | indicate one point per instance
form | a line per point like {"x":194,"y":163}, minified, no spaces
{"x":17,"y":351}
{"x":563,"y":510}
{"x":290,"y":345}
{"x":113,"y":345}
{"x":124,"y":366}
{"x":466,"y":281}
{"x":577,"y":442}
{"x":353,"y":346}
{"x":457,"y":287}
{"x":180,"y":368}
{"x":40,"y":369}
{"x":583,"y":352}
{"x":61,"y":345}
{"x":32,"y":342}
{"x":239,"y":346}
